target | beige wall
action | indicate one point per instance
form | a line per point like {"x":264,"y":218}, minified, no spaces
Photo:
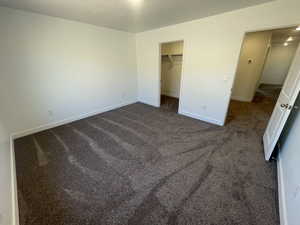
{"x":211,"y":51}
{"x":278,"y":63}
{"x":248,"y":75}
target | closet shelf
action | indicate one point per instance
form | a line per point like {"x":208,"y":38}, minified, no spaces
{"x":165,"y":55}
{"x":171,"y":57}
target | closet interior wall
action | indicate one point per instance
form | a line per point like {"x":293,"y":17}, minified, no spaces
{"x":171,"y":68}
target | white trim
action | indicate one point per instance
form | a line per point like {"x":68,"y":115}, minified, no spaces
{"x":281,"y":194}
{"x":14,"y":190}
{"x":149,"y":102}
{"x":241,"y":99}
{"x":68,"y":120}
{"x":200,"y":117}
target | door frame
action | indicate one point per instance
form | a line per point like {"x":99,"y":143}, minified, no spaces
{"x":239,"y":55}
{"x":267,"y":55}
{"x":291,"y":103}
{"x":160,"y":65}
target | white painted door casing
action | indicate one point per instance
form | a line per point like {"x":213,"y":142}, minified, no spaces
{"x":283,"y":106}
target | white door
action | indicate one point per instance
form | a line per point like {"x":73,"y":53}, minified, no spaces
{"x":283,"y":106}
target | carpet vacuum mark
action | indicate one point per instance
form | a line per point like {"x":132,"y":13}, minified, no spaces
{"x":139,"y":165}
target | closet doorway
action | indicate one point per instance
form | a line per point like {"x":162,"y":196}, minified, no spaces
{"x":170,"y":72}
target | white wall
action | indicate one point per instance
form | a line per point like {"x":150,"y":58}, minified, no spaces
{"x":255,"y":48}
{"x":5,"y":178}
{"x":171,"y":69}
{"x":211,"y":50}
{"x":289,"y":165}
{"x":278,"y":63}
{"x":67,"y":67}
{"x":50,"y":64}
{"x":73,"y":68}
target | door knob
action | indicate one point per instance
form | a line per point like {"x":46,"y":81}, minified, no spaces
{"x":284,"y":105}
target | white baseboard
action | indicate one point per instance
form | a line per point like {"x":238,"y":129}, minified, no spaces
{"x":15,"y":208}
{"x":241,"y":99}
{"x":68,"y":120}
{"x":150,"y":102}
{"x":281,"y":194}
{"x":200,"y":117}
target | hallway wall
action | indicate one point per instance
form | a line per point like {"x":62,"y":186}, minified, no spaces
{"x":278,"y":64}
{"x":255,"y":48}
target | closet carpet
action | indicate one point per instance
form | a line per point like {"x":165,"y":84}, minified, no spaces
{"x":141,"y":165}
{"x":168,"y":103}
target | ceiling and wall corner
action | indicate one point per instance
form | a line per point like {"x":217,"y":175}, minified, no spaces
{"x":284,"y":44}
{"x":270,"y":60}
{"x":278,"y":63}
{"x":280,"y":36}
{"x":130,"y":15}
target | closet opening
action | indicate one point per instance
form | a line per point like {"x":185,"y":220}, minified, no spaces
{"x":171,"y":58}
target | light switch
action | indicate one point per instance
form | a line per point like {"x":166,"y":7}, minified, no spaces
{"x":226,"y":78}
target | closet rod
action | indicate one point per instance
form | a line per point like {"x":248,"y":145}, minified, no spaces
{"x":172,"y":55}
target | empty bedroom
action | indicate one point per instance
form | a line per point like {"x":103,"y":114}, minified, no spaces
{"x":139,"y":112}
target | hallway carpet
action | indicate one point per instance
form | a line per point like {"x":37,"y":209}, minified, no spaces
{"x":139,"y":165}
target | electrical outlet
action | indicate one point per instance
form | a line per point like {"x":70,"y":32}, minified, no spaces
{"x":297,"y":192}
{"x":50,"y":113}
{"x":226,"y":78}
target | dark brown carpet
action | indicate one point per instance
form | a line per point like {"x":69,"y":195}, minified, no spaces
{"x":141,"y":165}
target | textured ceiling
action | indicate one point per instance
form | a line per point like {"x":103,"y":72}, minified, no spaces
{"x":130,"y":15}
